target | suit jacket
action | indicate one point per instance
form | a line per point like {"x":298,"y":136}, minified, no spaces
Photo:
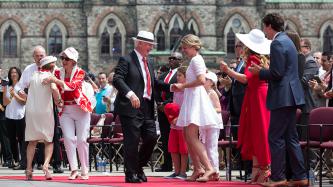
{"x":236,"y":100}
{"x":168,"y":94}
{"x":284,"y":88}
{"x":128,"y":77}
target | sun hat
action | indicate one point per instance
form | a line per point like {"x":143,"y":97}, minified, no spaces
{"x":145,"y":36}
{"x":47,"y":60}
{"x":256,"y":41}
{"x":211,"y":76}
{"x":71,"y":53}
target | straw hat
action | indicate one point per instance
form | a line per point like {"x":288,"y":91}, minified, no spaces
{"x":145,"y":36}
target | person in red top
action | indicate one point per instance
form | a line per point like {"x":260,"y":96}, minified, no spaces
{"x":254,"y":117}
{"x":75,"y":115}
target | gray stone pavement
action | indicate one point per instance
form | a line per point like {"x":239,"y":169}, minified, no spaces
{"x":22,"y":183}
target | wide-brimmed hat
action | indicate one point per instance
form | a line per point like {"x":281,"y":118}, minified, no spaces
{"x":145,"y":36}
{"x":47,"y":60}
{"x":256,"y":41}
{"x":71,"y":53}
{"x":211,"y":76}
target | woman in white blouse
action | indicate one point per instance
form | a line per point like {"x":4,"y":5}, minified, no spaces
{"x":15,"y":109}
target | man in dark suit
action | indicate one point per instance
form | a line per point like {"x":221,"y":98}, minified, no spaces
{"x":285,"y":93}
{"x":134,"y":79}
{"x":165,"y":97}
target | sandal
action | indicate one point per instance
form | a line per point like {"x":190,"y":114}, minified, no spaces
{"x":48,"y":175}
{"x":254,"y":174}
{"x":28,"y":175}
{"x":194,"y":176}
{"x":205,"y":178}
{"x":74,"y":175}
{"x":215,"y":177}
{"x":264,"y":175}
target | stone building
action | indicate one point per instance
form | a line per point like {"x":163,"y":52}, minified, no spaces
{"x":101,"y":30}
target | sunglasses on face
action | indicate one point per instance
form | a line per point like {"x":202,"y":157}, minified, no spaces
{"x":172,"y":58}
{"x":65,"y":58}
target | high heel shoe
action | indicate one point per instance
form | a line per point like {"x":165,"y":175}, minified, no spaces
{"x":74,"y":175}
{"x":48,"y":175}
{"x":194,"y":176}
{"x":255,"y":174}
{"x":206,"y":176}
{"x":264,"y":174}
{"x":28,"y":175}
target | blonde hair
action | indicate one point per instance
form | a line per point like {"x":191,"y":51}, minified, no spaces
{"x":192,"y":40}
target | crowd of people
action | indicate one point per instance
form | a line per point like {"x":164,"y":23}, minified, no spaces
{"x":259,"y":89}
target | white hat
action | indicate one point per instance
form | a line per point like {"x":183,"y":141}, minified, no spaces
{"x":47,"y":60}
{"x":71,"y":53}
{"x":145,"y":36}
{"x":211,"y":76}
{"x":256,"y":41}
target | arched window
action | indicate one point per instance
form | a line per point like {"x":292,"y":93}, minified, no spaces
{"x":160,"y":39}
{"x":231,"y":41}
{"x":10,"y":43}
{"x":328,"y":39}
{"x":116,"y":43}
{"x":105,"y":43}
{"x":112,"y":36}
{"x":175,"y":34}
{"x":55,"y":41}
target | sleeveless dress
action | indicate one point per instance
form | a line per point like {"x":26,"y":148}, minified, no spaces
{"x":197,"y":108}
{"x":254,"y":118}
{"x":39,"y":110}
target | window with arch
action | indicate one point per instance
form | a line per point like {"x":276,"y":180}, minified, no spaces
{"x":112,"y":38}
{"x":328,"y":39}
{"x":10,"y":43}
{"x":160,"y":36}
{"x":231,"y":40}
{"x":236,"y":24}
{"x":55,"y":41}
{"x":175,"y":34}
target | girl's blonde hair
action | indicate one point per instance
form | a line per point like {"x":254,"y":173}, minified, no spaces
{"x":192,"y":40}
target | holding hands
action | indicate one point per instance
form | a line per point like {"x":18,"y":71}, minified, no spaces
{"x":178,"y":87}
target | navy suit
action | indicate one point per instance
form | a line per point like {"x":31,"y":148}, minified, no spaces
{"x":285,"y":93}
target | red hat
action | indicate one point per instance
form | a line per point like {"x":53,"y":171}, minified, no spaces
{"x":171,"y":111}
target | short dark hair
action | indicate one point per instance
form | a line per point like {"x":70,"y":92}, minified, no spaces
{"x":328,"y":54}
{"x":275,"y":20}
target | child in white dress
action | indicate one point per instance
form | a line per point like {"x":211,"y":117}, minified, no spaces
{"x":196,"y":103}
{"x":210,"y":136}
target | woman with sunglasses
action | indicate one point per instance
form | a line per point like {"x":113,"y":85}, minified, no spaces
{"x":75,"y":115}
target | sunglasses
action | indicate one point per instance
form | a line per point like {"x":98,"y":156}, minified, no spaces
{"x":172,"y":58}
{"x":65,"y":58}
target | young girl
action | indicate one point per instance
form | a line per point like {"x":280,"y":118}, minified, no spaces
{"x":210,"y":136}
{"x":177,"y":145}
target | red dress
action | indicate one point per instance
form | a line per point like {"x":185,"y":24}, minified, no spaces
{"x":254,"y":118}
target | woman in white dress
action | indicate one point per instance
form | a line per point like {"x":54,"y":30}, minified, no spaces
{"x":39,"y":114}
{"x":197,"y":110}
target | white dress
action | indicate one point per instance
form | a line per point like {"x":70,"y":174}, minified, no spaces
{"x":197,"y":108}
{"x":39,"y":110}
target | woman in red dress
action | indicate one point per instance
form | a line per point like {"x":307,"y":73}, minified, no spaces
{"x":254,"y":118}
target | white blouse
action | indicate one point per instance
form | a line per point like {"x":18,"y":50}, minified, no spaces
{"x":14,"y":110}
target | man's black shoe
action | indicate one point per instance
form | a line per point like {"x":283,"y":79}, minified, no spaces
{"x":6,"y":164}
{"x":142,"y":177}
{"x":19,"y":167}
{"x":248,"y":177}
{"x":162,"y":170}
{"x":132,"y":179}
{"x":58,"y":170}
{"x":39,"y":167}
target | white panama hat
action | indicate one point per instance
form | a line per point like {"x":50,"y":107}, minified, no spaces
{"x":47,"y":60}
{"x":256,"y":41}
{"x":145,"y":36}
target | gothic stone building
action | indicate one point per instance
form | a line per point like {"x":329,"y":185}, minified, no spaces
{"x":101,"y":30}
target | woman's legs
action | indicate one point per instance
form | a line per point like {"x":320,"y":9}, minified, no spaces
{"x":48,"y":153}
{"x":30,"y":154}
{"x":198,"y":149}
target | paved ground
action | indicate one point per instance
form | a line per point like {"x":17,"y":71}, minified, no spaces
{"x":20,"y":183}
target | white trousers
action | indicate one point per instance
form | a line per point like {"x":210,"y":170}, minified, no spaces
{"x":210,"y":137}
{"x":74,"y":121}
